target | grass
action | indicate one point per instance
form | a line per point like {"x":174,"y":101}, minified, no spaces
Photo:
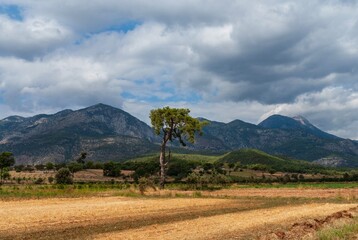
{"x":322,"y":185}
{"x":345,"y":231}
{"x":64,"y":191}
{"x":247,"y":157}
{"x":196,"y":158}
{"x":8,"y":192}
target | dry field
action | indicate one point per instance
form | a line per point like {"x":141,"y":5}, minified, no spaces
{"x":313,"y":193}
{"x":88,"y":175}
{"x":155,"y":218}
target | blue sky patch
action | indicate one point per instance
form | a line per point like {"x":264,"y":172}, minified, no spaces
{"x":12,"y":11}
{"x":124,"y":27}
{"x":192,"y":97}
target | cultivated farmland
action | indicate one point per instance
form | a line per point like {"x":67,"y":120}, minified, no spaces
{"x":172,"y":214}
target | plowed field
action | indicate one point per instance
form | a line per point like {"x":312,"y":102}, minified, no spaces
{"x":151,"y":218}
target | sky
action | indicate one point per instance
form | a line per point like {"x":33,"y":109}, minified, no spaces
{"x":223,"y":60}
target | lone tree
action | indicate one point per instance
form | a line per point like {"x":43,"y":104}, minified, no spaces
{"x":81,"y":158}
{"x":64,"y":176}
{"x":6,"y":160}
{"x":173,"y":123}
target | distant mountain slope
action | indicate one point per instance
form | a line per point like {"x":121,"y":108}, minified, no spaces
{"x":297,"y":123}
{"x":284,"y":137}
{"x":103,"y":131}
{"x":107,"y":133}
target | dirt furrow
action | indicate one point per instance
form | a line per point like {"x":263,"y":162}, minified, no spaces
{"x":69,"y":218}
{"x":232,"y":225}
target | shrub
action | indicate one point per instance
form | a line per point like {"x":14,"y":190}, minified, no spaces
{"x":39,"y":181}
{"x":111,"y":169}
{"x":50,"y":166}
{"x":144,"y":183}
{"x":64,"y":176}
{"x":50,"y":179}
{"x":19,"y":168}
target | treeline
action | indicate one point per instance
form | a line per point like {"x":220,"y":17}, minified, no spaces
{"x":73,"y":166}
{"x":195,"y":173}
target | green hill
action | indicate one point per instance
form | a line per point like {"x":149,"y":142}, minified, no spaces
{"x":194,"y":158}
{"x":250,"y":157}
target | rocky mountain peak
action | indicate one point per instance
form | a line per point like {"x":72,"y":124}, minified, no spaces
{"x":13,"y":119}
{"x":302,"y":120}
{"x":297,"y":123}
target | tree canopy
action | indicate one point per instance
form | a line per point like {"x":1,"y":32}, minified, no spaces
{"x":6,"y":160}
{"x":173,"y":123}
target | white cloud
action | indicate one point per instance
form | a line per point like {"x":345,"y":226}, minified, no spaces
{"x":334,"y":109}
{"x":224,"y":60}
{"x":31,"y":37}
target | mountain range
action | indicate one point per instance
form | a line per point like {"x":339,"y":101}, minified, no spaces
{"x":108,"y":133}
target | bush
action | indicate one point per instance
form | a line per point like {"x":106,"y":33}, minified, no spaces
{"x":50,"y":179}
{"x":19,"y":168}
{"x":18,"y":180}
{"x":39,"y":181}
{"x":111,"y":169}
{"x":75,"y":167}
{"x":50,"y":166}
{"x":144,"y":183}
{"x":64,"y":176}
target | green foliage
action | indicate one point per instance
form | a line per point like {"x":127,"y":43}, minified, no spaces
{"x":19,"y":168}
{"x":144,"y":183}
{"x":89,"y":165}
{"x":206,"y":181}
{"x":258,"y":167}
{"x":341,"y":231}
{"x":5,"y":173}
{"x":39,"y":181}
{"x":81,"y":158}
{"x":58,"y":166}
{"x":197,"y":159}
{"x":29,"y":168}
{"x":40,"y":167}
{"x":50,"y":179}
{"x":175,"y":123}
{"x":259,"y":160}
{"x":75,"y":167}
{"x":180,"y":169}
{"x":143,"y":169}
{"x":6,"y":160}
{"x":49,"y":166}
{"x":64,"y":176}
{"x":111,"y":169}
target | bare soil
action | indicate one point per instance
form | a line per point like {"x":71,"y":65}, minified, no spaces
{"x":150,"y":218}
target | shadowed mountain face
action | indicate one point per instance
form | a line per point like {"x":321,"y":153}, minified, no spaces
{"x":292,"y":137}
{"x":108,"y":133}
{"x":104,"y":132}
{"x":297,"y":123}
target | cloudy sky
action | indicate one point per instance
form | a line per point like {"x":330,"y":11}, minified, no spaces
{"x":224,"y":60}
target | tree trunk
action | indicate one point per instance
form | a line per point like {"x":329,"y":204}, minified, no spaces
{"x":162,"y":165}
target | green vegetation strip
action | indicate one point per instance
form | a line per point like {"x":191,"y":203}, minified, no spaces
{"x":101,"y":189}
{"x":65,"y":191}
{"x":346,"y":231}
{"x":328,"y":185}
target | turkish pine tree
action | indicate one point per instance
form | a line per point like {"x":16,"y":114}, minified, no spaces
{"x":173,"y":123}
{"x":6,"y":160}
